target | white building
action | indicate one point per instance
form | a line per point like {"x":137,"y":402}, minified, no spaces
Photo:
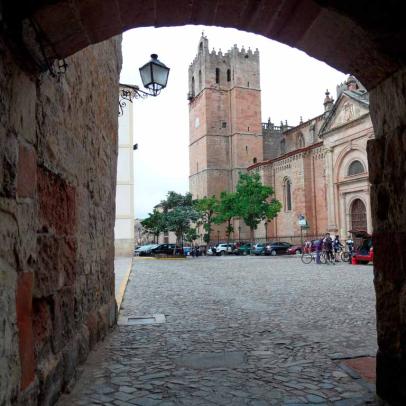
{"x":124,"y":226}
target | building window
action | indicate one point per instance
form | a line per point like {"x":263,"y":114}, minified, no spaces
{"x":355,"y":168}
{"x":283,"y":147}
{"x":228,"y":75}
{"x":200,"y":80}
{"x":193,"y":86}
{"x":217,"y":75}
{"x":254,"y":160}
{"x":287,"y":194}
{"x":300,"y":142}
{"x":223,"y":124}
{"x":201,"y":46}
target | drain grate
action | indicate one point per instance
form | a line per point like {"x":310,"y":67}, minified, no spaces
{"x":141,"y":320}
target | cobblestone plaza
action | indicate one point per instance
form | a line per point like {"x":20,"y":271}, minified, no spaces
{"x":235,"y":331}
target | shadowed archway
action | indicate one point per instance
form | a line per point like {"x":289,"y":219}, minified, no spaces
{"x":361,"y":38}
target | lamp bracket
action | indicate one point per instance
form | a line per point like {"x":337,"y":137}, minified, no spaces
{"x":130,"y":92}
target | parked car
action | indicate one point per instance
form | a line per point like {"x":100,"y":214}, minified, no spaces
{"x":260,"y":249}
{"x":364,"y":253}
{"x":277,"y":248}
{"x":144,"y":250}
{"x":166,"y":249}
{"x":244,"y":249}
{"x":295,"y":249}
{"x":223,"y":249}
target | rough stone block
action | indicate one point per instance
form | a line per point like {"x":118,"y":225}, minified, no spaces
{"x":70,"y":362}
{"x":62,"y":317}
{"x":23,"y":106}
{"x":8,"y":232}
{"x":57,"y":203}
{"x":50,"y":374}
{"x":91,"y":324}
{"x":42,"y":328}
{"x":56,"y":264}
{"x":24,"y":323}
{"x":83,"y":340}
{"x":26,"y":172}
{"x":9,"y":360}
{"x":8,"y":165}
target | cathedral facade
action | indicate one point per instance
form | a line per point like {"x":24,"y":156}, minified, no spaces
{"x":318,"y":169}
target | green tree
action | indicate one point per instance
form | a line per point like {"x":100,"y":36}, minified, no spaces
{"x":174,"y":200}
{"x":191,"y":235}
{"x":253,"y":202}
{"x":179,"y":220}
{"x":227,"y":209}
{"x":207,"y":208}
{"x":154,"y":224}
{"x":178,"y":214}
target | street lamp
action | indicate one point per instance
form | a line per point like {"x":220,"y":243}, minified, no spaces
{"x":154,"y":75}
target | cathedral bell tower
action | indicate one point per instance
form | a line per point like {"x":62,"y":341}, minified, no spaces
{"x":225,"y":134}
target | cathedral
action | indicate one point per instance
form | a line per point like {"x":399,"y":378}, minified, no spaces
{"x":318,"y":169}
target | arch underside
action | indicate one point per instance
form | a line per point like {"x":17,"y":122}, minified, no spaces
{"x":347,"y":37}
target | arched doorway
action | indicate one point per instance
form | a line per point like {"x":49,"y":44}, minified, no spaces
{"x":358,"y":215}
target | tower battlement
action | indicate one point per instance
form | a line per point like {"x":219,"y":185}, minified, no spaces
{"x":237,"y":67}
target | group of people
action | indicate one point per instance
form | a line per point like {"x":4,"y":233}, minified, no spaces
{"x":331,"y":247}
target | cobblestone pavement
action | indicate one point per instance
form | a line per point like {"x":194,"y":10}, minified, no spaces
{"x":239,"y":331}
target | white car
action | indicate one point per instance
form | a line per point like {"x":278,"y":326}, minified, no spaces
{"x":223,"y":249}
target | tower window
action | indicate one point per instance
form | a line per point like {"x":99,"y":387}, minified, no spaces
{"x":193,"y":86}
{"x":217,"y":75}
{"x":200,"y":80}
{"x":228,"y":75}
{"x":248,"y":84}
{"x":201,"y":46}
{"x":223,"y":124}
{"x":254,"y":160}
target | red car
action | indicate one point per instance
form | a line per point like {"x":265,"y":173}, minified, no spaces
{"x":364,"y":253}
{"x":295,"y":249}
{"x":300,"y":248}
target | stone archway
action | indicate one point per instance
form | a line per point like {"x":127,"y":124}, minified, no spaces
{"x":364,"y":39}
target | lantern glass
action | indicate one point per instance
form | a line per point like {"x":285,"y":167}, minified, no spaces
{"x":154,"y":75}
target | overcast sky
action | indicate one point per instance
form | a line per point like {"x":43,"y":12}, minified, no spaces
{"x":292,"y":85}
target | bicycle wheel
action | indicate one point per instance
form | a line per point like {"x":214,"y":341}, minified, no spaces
{"x":306,"y":258}
{"x":323,"y":258}
{"x":345,"y":256}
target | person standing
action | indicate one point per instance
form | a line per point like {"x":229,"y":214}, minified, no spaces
{"x":337,"y":246}
{"x":328,"y":248}
{"x":319,"y":246}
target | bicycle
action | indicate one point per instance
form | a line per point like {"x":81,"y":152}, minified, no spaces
{"x":308,"y":257}
{"x":345,"y":256}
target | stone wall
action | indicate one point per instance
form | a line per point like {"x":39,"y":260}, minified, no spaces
{"x":387,"y":174}
{"x":58,"y":149}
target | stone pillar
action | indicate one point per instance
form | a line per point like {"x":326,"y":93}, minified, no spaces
{"x":331,"y":221}
{"x":387,"y":174}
